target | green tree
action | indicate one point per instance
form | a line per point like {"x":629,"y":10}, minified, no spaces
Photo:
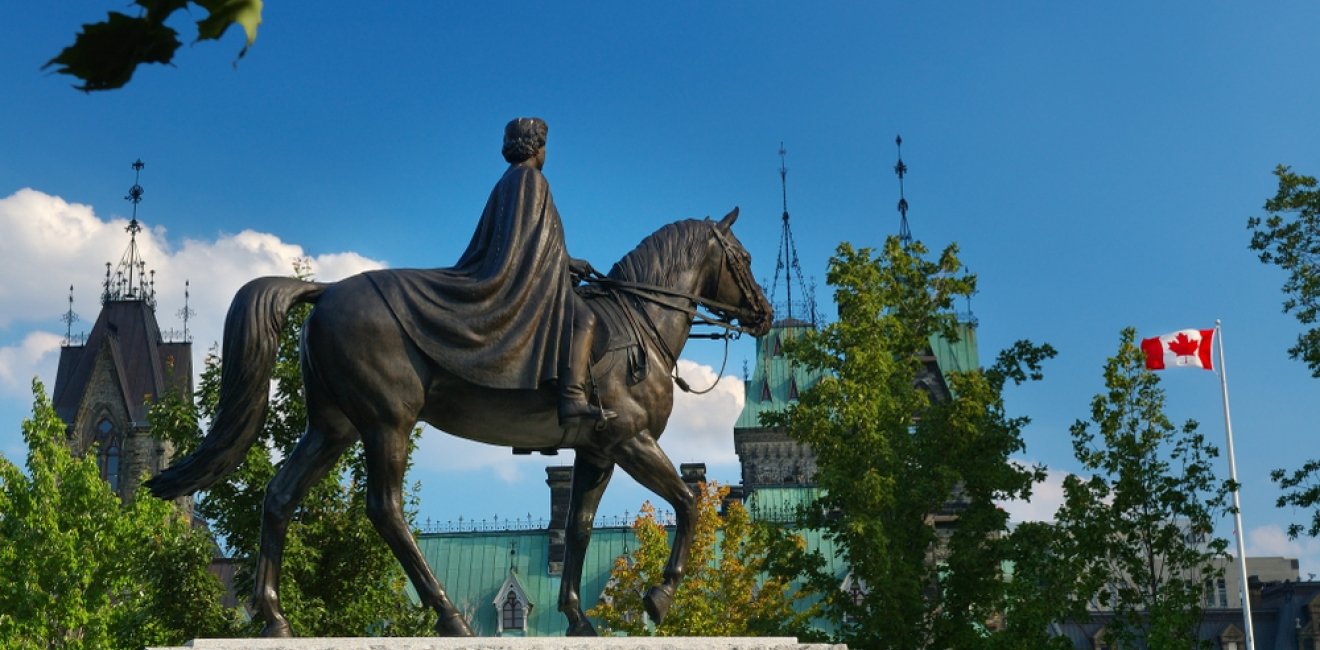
{"x":1289,"y":237}
{"x":1139,"y":530}
{"x":81,"y":569}
{"x":889,"y":457}
{"x":1039,"y":588}
{"x":726,"y":591}
{"x":104,"y":55}
{"x":339,"y":578}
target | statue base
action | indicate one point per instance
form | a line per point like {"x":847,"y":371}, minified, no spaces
{"x":512,"y":643}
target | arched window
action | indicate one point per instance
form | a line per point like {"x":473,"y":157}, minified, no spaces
{"x":107,"y":454}
{"x":511,"y":613}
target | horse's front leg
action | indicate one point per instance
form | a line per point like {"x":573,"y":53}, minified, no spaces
{"x":643,"y":459}
{"x":591,"y":475}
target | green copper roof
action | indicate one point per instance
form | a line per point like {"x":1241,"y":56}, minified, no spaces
{"x":776,"y":382}
{"x":961,"y":356}
{"x":779,"y":504}
{"x":473,"y":566}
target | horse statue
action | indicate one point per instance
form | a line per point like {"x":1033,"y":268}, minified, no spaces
{"x":365,"y":379}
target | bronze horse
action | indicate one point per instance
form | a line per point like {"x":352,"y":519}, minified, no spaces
{"x":365,"y":379}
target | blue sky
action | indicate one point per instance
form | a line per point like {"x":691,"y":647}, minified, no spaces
{"x":1096,"y":163}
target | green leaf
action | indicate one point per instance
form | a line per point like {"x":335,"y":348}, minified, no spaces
{"x":223,"y":13}
{"x":105,"y":54}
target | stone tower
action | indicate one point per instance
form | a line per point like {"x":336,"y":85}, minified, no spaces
{"x":107,"y":380}
{"x":768,"y":456}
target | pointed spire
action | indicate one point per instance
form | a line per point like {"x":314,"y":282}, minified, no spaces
{"x":804,"y":306}
{"x":904,"y":233}
{"x":131,"y":281}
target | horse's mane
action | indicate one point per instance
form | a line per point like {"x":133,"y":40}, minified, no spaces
{"x":653,"y":261}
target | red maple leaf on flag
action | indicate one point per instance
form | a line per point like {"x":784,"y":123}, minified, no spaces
{"x":1183,"y":346}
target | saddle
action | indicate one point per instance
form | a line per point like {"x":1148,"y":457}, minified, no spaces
{"x":624,"y":336}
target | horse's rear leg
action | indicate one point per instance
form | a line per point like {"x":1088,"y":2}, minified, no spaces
{"x":387,"y":460}
{"x":643,"y":459}
{"x":311,"y":459}
{"x":591,"y":475}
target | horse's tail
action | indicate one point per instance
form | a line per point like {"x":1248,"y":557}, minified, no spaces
{"x":252,"y":336}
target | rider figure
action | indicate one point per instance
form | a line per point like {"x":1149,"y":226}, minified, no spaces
{"x":524,"y":149}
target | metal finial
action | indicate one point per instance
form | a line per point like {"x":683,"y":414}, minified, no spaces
{"x":787,"y":261}
{"x":105,"y":286}
{"x":187,"y":312}
{"x":132,"y":281}
{"x":135,"y":194}
{"x":69,"y":318}
{"x":904,"y":232}
{"x":783,"y":176}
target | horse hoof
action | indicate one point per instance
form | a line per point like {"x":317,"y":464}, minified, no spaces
{"x":277,"y":630}
{"x":452,"y":625}
{"x":657,"y":602}
{"x":581,"y":628}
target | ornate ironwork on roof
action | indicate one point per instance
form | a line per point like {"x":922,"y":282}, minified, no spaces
{"x":904,"y":232}
{"x":801,"y":308}
{"x":131,"y":280}
{"x":69,"y":318}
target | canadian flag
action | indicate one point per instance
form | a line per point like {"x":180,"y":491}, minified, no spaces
{"x":1181,"y":349}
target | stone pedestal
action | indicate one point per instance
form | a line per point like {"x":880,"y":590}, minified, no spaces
{"x":513,"y":643}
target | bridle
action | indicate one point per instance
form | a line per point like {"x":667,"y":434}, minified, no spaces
{"x":722,"y":314}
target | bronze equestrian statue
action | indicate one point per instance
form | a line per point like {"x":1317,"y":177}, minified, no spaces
{"x":500,"y":348}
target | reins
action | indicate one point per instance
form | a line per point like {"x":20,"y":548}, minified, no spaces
{"x":662,"y":296}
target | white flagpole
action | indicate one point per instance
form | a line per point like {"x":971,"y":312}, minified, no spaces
{"x":1237,"y":504}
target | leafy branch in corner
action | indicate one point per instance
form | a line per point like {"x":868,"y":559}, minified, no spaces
{"x":104,"y":55}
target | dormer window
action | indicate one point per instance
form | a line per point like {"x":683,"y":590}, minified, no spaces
{"x":856,"y":590}
{"x":765,"y":391}
{"x":512,"y":606}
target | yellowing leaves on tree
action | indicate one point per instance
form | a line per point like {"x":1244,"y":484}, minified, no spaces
{"x":725,"y":591}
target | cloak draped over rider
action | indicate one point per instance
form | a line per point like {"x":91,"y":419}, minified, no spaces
{"x":500,"y":316}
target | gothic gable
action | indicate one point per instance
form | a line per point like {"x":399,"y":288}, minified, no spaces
{"x":512,"y":606}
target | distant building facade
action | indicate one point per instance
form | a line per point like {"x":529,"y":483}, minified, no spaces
{"x":1285,"y":615}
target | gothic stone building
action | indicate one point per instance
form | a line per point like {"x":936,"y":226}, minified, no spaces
{"x":106,"y":381}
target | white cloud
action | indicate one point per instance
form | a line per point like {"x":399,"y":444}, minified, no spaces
{"x":1272,"y":540}
{"x":440,"y":451}
{"x":51,"y":244}
{"x":1046,"y":497}
{"x":34,"y":356}
{"x":700,"y":429}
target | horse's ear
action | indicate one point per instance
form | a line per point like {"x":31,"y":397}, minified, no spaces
{"x":727,"y":221}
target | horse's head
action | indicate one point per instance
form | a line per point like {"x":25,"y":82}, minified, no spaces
{"x":733,"y":294}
